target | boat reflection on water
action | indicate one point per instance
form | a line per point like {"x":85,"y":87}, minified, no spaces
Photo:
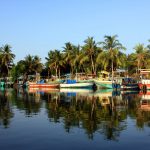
{"x":103,"y":111}
{"x":104,"y":97}
{"x":35,"y":94}
{"x":42,"y":90}
{"x":143,"y":110}
{"x":145,"y":101}
{"x":78,"y":92}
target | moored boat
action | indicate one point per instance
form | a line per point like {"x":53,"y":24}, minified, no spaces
{"x":43,"y":85}
{"x":76,"y":90}
{"x":104,"y":81}
{"x":144,"y":82}
{"x":74,"y":84}
{"x":103,"y":84}
{"x":127,"y":84}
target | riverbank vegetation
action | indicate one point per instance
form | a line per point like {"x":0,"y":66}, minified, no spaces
{"x":91,"y":57}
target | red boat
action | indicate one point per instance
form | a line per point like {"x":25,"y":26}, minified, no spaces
{"x":43,"y":85}
{"x":144,"y":83}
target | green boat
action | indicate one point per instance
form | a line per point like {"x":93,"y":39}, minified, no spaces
{"x":103,"y":84}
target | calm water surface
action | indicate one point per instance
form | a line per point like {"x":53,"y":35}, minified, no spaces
{"x":74,"y":119}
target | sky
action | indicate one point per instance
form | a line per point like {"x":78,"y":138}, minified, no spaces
{"x":37,"y":26}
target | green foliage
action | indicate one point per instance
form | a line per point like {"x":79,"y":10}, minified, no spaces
{"x":112,"y":56}
{"x":91,"y":57}
{"x":6,"y":60}
{"x":30,"y":65}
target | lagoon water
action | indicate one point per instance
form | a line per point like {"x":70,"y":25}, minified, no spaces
{"x":73,"y":119}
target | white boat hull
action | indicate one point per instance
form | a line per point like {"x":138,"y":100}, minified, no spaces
{"x":76,"y":90}
{"x":76,"y":85}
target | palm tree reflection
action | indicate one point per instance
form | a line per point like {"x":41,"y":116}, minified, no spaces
{"x":5,"y":109}
{"x":103,"y":112}
{"x":89,"y":112}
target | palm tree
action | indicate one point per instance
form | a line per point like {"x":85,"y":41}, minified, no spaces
{"x":37,"y":65}
{"x":76,"y":57}
{"x":102,"y":60}
{"x":6,"y":59}
{"x":112,"y":45}
{"x":30,"y":65}
{"x":28,"y":61}
{"x":69,"y":55}
{"x":141,"y":53}
{"x":55,"y":61}
{"x":90,"y":50}
{"x":17,"y":70}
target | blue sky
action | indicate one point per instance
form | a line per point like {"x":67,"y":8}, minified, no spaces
{"x":37,"y":26}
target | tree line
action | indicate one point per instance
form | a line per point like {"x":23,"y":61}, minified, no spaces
{"x":90,"y":58}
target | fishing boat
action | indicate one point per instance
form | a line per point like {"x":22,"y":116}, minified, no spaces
{"x":126,"y":83}
{"x":123,"y":82}
{"x":104,"y":84}
{"x":73,"y":84}
{"x":41,"y":84}
{"x":103,"y":81}
{"x":144,"y":82}
{"x":129,"y":86}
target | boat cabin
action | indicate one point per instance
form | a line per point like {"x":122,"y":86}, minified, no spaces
{"x":104,"y":75}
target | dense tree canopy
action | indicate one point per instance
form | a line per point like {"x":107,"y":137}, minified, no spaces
{"x":91,"y":57}
{"x":6,"y":60}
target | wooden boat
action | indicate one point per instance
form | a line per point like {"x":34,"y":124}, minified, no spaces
{"x":74,"y":84}
{"x":42,"y":85}
{"x":129,"y":86}
{"x":76,"y":90}
{"x":103,"y":84}
{"x":125,"y":83}
{"x":144,"y":82}
{"x":103,"y":81}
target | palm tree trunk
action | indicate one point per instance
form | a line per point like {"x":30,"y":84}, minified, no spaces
{"x":93,"y":70}
{"x":48,"y":73}
{"x":59,"y":73}
{"x":112,"y":66}
{"x":56,"y":72}
{"x":71,"y":70}
{"x":93,"y":107}
{"x":138,"y":65}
